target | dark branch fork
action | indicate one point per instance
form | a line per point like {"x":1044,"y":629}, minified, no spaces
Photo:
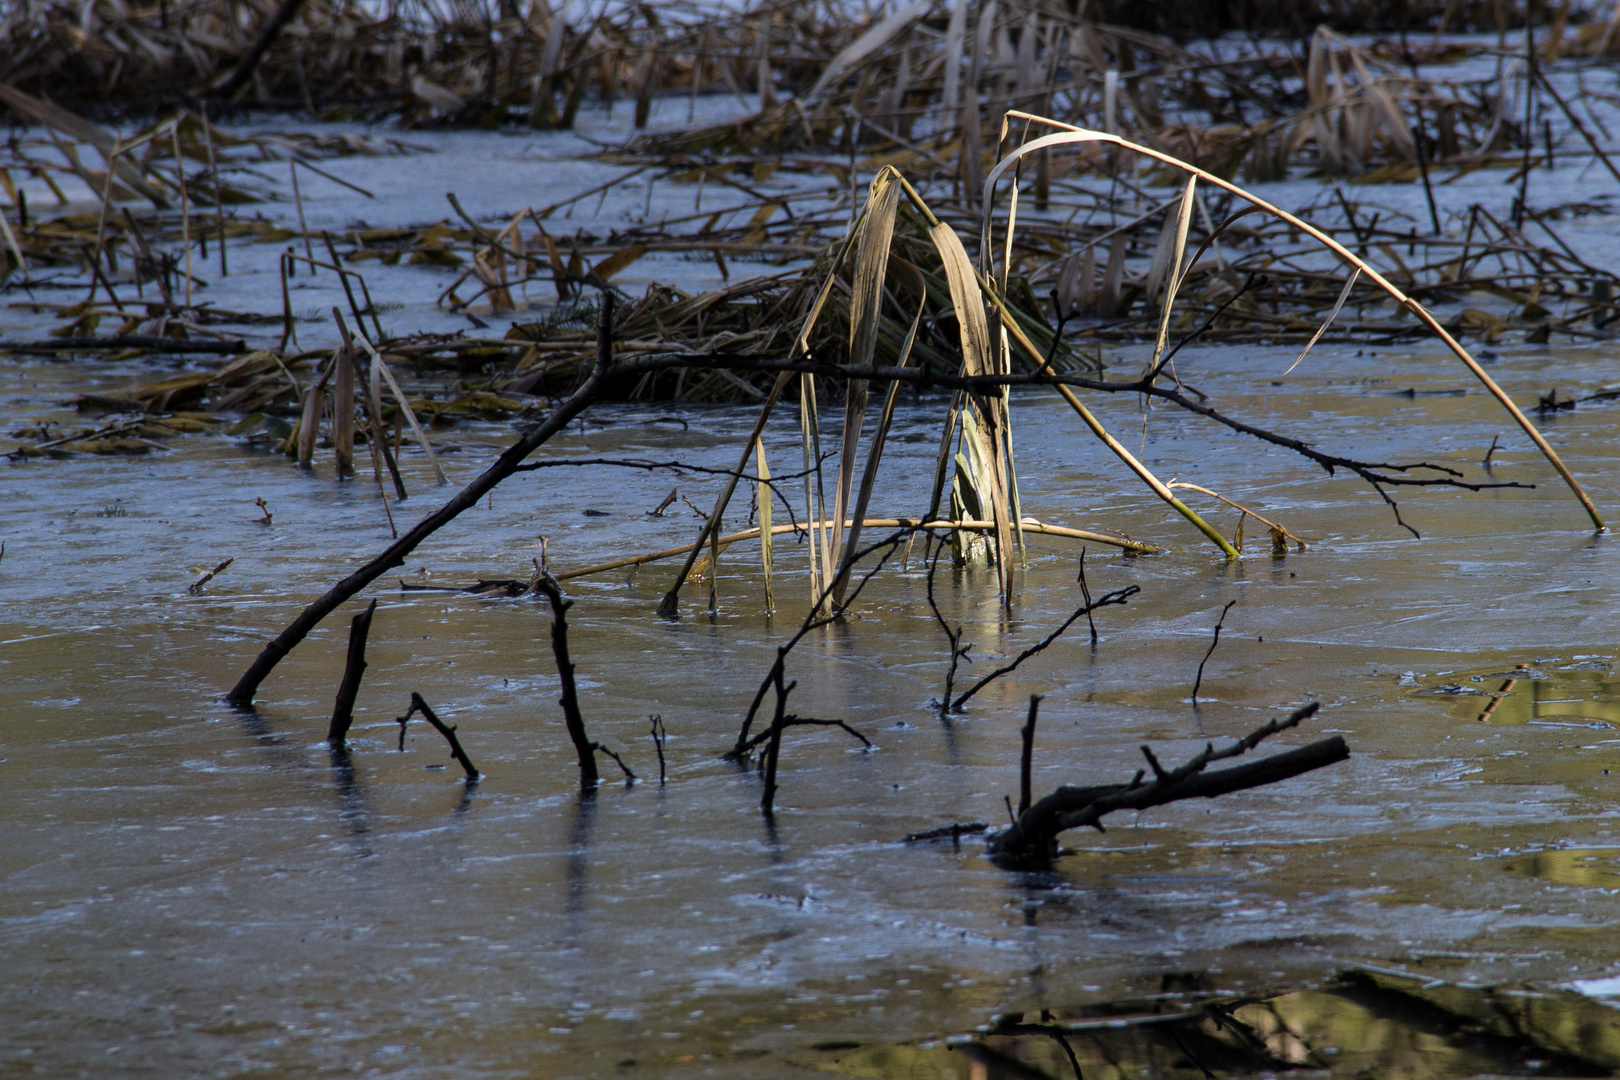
{"x":1118,"y":596}
{"x":817,"y":617}
{"x":447,"y":730}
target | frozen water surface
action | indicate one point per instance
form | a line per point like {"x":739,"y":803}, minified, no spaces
{"x":187,"y":890}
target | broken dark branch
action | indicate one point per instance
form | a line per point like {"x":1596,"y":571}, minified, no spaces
{"x":629,"y":776}
{"x":789,"y":720}
{"x":583,"y":746}
{"x":656,"y":720}
{"x":944,"y":832}
{"x":196,"y":587}
{"x":1085,"y":594}
{"x":739,"y":751}
{"x":242,"y":693}
{"x":959,"y":652}
{"x":227,"y":87}
{"x":1026,"y":760}
{"x":773,"y":751}
{"x":353,"y":668}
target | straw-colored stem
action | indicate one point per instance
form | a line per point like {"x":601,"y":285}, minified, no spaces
{"x":1239,"y":506}
{"x":669,"y":605}
{"x":185,"y":206}
{"x":106,"y":202}
{"x":969,"y":524}
{"x":343,"y":411}
{"x":766,"y":548}
{"x":405,"y":407}
{"x":1010,"y":324}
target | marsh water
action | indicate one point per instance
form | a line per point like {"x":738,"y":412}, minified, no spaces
{"x":191,"y":890}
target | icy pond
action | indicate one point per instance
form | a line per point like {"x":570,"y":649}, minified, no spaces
{"x":186,"y":889}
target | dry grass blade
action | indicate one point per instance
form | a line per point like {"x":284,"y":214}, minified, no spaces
{"x":870,"y":43}
{"x":1011,"y":326}
{"x":343,"y":410}
{"x":1174,"y":273}
{"x":1344,"y":294}
{"x":309,"y":425}
{"x":669,"y":606}
{"x":1239,"y":506}
{"x":379,"y":366}
{"x":865,"y":309}
{"x":1071,"y":135}
{"x":955,"y":42}
{"x":914,"y":284}
{"x":76,"y":127}
{"x":978,"y":358}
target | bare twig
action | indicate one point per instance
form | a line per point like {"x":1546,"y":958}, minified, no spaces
{"x":959,"y":651}
{"x":196,"y":586}
{"x":656,"y":720}
{"x":1199,"y":681}
{"x":790,"y":720}
{"x":1085,"y":594}
{"x":629,"y":776}
{"x":812,"y":621}
{"x":679,"y":467}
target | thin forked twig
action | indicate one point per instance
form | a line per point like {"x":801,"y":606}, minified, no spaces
{"x":1118,"y":596}
{"x":680,"y":467}
{"x":959,"y":651}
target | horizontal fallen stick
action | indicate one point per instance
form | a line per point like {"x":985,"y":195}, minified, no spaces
{"x":125,"y":341}
{"x":1030,"y":525}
